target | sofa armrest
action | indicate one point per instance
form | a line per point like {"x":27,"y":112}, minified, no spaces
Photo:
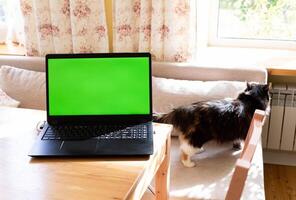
{"x":188,"y":71}
{"x":24,"y":62}
{"x":185,"y":71}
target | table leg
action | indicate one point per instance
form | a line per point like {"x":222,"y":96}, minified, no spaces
{"x":162,"y":180}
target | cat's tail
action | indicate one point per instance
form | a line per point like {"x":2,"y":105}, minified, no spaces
{"x":163,"y":117}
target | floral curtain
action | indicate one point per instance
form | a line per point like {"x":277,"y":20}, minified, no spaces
{"x":166,"y":28}
{"x":64,"y":26}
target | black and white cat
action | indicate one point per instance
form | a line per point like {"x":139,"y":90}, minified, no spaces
{"x":221,"y":120}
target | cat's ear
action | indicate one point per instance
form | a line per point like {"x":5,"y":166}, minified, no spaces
{"x":249,"y":87}
{"x":266,"y":87}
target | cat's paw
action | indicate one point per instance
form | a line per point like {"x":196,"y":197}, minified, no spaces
{"x":237,"y":146}
{"x":200,"y":150}
{"x":188,"y":163}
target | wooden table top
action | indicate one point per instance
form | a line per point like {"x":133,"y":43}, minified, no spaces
{"x":282,"y":70}
{"x":23,"y":177}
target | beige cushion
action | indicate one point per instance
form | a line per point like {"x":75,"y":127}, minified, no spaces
{"x":171,"y":93}
{"x":7,"y":101}
{"x":25,"y":86}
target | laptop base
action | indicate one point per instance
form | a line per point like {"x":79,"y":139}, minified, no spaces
{"x":93,"y":146}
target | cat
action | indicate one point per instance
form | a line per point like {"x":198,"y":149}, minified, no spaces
{"x":221,"y":120}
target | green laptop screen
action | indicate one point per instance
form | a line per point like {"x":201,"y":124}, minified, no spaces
{"x":98,"y":86}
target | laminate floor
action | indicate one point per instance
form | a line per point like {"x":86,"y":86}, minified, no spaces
{"x":280,"y":182}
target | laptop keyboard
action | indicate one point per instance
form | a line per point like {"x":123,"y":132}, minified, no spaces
{"x":105,"y":132}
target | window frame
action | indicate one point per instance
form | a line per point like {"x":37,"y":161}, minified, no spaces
{"x":214,"y":41}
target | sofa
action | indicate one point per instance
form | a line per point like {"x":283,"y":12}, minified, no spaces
{"x":210,"y":178}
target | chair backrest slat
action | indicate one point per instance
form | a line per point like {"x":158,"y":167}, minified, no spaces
{"x":257,"y":121}
{"x":243,"y":164}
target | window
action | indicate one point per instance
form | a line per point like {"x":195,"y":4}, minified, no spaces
{"x":253,"y":23}
{"x":2,"y":13}
{"x":3,"y":26}
{"x":11,"y":28}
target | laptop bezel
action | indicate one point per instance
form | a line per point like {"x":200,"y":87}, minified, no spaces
{"x":99,"y":119}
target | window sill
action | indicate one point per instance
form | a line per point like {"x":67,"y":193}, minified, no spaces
{"x":12,"y":49}
{"x":277,"y":62}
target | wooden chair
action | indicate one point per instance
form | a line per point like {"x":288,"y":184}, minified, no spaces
{"x":243,"y":164}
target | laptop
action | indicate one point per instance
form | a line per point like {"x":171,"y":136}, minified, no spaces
{"x":97,"y":105}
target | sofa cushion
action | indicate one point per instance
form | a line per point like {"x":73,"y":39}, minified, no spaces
{"x":28,"y":87}
{"x":171,"y":93}
{"x":25,"y":86}
{"x":6,"y":100}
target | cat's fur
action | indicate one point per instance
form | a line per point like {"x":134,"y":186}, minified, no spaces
{"x":221,"y":120}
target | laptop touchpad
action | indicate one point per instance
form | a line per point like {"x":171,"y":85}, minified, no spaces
{"x":79,"y":147}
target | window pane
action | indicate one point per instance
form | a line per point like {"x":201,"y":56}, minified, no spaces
{"x":2,"y":9}
{"x":257,"y":19}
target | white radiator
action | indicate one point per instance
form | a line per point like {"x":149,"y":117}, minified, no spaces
{"x":279,"y":129}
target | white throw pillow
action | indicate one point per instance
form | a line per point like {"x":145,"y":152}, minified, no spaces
{"x":25,"y":86}
{"x":171,"y":93}
{"x":6,"y":100}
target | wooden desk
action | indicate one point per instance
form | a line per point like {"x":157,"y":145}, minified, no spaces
{"x":22,"y":177}
{"x":282,"y":70}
